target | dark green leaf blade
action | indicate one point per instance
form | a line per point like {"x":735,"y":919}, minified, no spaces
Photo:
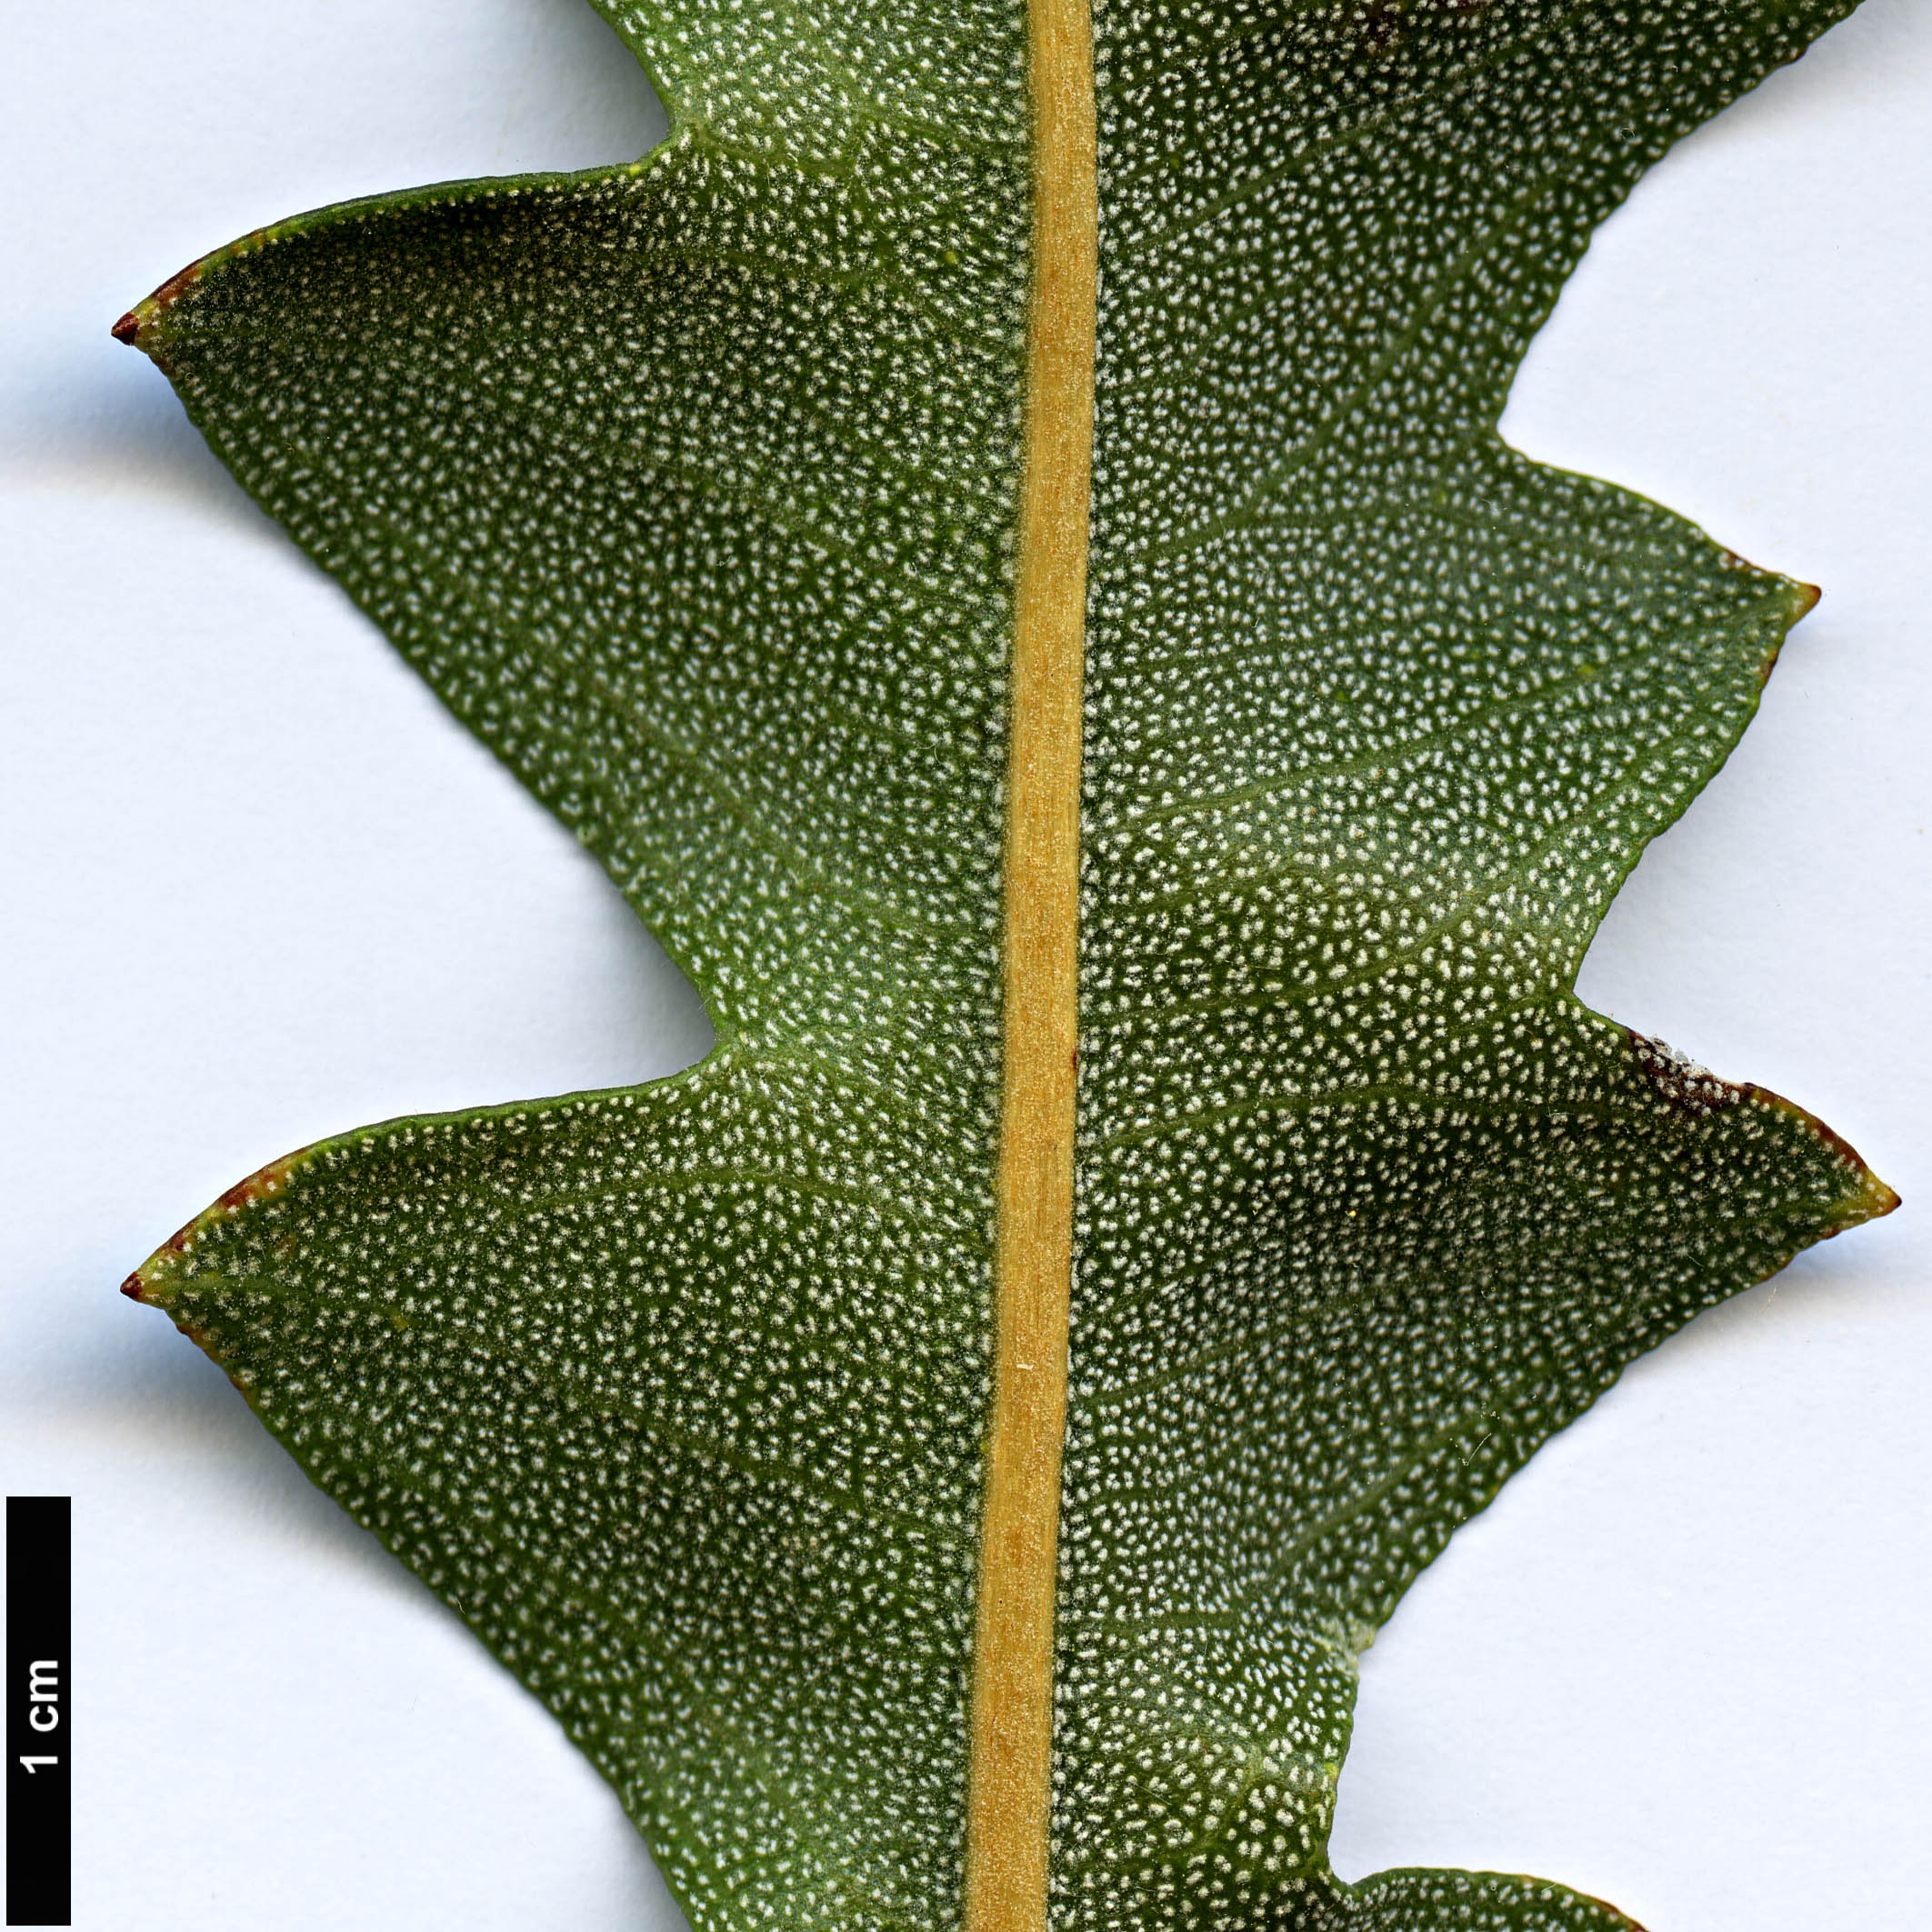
{"x":689,"y":489}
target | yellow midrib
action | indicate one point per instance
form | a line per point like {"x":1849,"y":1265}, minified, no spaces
{"x":1010,"y":1714}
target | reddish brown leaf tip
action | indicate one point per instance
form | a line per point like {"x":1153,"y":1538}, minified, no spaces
{"x":1808,"y":599}
{"x":1695,"y":1093}
{"x":145,"y":315}
{"x":260,"y":1185}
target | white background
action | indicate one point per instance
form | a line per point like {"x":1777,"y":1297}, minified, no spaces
{"x":259,"y":888}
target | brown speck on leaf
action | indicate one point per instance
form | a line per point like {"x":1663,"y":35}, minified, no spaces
{"x":1689,"y":1088}
{"x":1382,"y":26}
{"x":254,"y":1188}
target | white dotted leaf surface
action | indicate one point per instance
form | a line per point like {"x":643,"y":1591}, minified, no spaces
{"x":690,"y":486}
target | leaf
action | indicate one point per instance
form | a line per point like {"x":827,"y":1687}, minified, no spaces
{"x":738,"y":500}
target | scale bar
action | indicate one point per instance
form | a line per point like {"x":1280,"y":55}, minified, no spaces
{"x":39,"y":1635}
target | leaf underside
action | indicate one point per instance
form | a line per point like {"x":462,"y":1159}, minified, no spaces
{"x":689,"y":486}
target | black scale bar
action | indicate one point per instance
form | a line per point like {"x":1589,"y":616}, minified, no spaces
{"x":39,"y":1716}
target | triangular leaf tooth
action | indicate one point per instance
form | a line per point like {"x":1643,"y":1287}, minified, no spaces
{"x":148,"y":1281}
{"x":1416,"y":1287}
{"x":810,"y":464}
{"x":140,"y":326}
{"x":692,"y":1441}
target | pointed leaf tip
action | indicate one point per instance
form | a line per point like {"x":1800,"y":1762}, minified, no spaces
{"x":263,"y":1183}
{"x":146,"y":313}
